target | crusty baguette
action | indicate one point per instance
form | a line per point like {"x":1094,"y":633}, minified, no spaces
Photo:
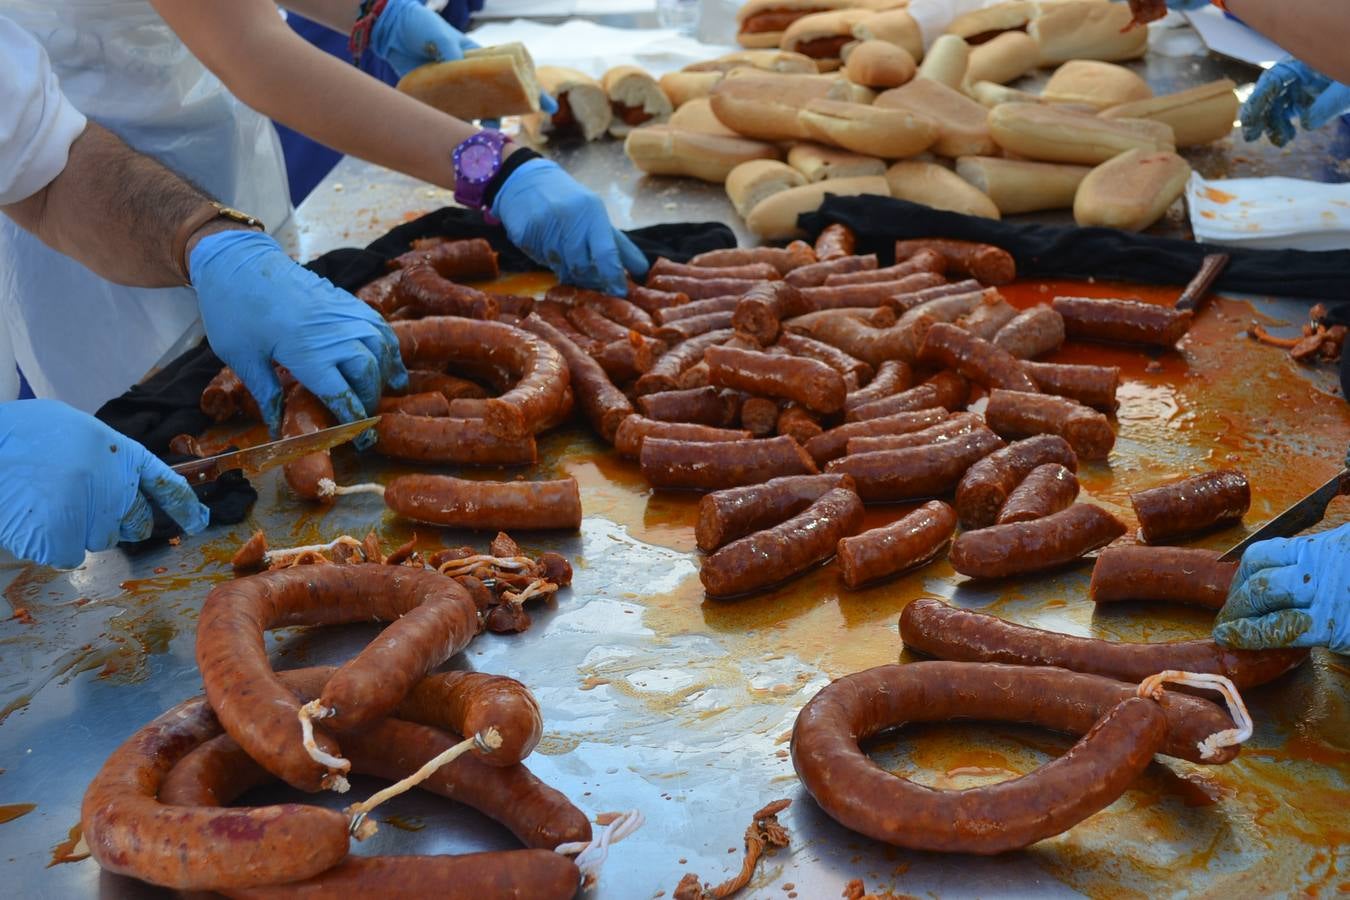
{"x":764,"y":107}
{"x":1198,"y":115}
{"x":1051,"y":133}
{"x":939,"y":187}
{"x":489,"y":82}
{"x":1131,"y":191}
{"x":697,"y":115}
{"x":754,"y":181}
{"x":1006,"y":58}
{"x":630,"y":88}
{"x":1019,"y":186}
{"x":780,"y":61}
{"x":818,"y":162}
{"x":583,"y":106}
{"x":1093,"y":83}
{"x":989,"y":95}
{"x":963,"y":128}
{"x":801,"y":35}
{"x":1001,"y":17}
{"x":896,"y":26}
{"x":681,"y":87}
{"x":776,"y":218}
{"x":878,"y":64}
{"x":1086,"y":29}
{"x":870,"y":130}
{"x":664,"y":150}
{"x":946,"y":61}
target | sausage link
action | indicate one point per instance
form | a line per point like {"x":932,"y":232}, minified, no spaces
{"x":1031,"y":333}
{"x":983,"y":262}
{"x":1046,"y":490}
{"x":946,"y":389}
{"x":617,"y":309}
{"x":797,"y":423}
{"x":759,"y":416}
{"x":627,"y":358}
{"x":635,"y":429}
{"x":486,"y":505}
{"x":697,"y":308}
{"x":874,"y":345}
{"x":892,"y":376}
{"x":426,"y":403}
{"x":555,"y":314}
{"x":949,"y":347}
{"x":1014,"y":414}
{"x":876,"y":316}
{"x":767,"y":557}
{"x":854,"y":371}
{"x":694,"y":326}
{"x":954,"y":426}
{"x":923,"y":261}
{"x":986,"y":485}
{"x":835,"y":241}
{"x":225,"y":396}
{"x":809,"y":382}
{"x":762,"y":308}
{"x":701,"y":288}
{"x":595,"y":325}
{"x":1191,"y":505}
{"x":665,"y":374}
{"x":879,"y":293}
{"x":987,"y":319}
{"x":381,"y":294}
{"x":1021,"y":548}
{"x":704,"y":466}
{"x":702,"y":406}
{"x":469,"y":260}
{"x":724,"y":516}
{"x":604,"y":405}
{"x":934,"y":628}
{"x":305,"y":414}
{"x":428,"y":293}
{"x":915,"y":473}
{"x":784,"y":259}
{"x":1093,"y":386}
{"x":1186,"y":575}
{"x":650,"y":301}
{"x":1122,"y":321}
{"x":451,"y":387}
{"x":760,"y":271}
{"x":819,"y":273}
{"x":833,"y":444}
{"x":911,"y":541}
{"x":450,"y":440}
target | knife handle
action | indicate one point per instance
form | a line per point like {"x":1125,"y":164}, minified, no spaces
{"x":198,"y":471}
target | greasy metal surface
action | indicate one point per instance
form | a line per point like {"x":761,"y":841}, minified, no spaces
{"x":656,"y":698}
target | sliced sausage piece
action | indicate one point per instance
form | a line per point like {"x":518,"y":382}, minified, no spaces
{"x":1122,"y":321}
{"x":1047,"y":489}
{"x":486,"y":505}
{"x":701,"y":466}
{"x":1191,"y":505}
{"x":833,"y":444}
{"x":1014,"y":414}
{"x":892,"y":476}
{"x":635,"y":429}
{"x":1033,"y":332}
{"x":949,"y":347}
{"x":1022,"y":548}
{"x":983,"y":262}
{"x":724,"y":516}
{"x":911,"y":541}
{"x":1186,"y":575}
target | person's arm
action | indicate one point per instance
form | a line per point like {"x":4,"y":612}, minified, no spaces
{"x":1314,"y":31}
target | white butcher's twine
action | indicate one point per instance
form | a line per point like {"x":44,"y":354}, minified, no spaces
{"x":536,"y":588}
{"x":330,"y":488}
{"x":591,"y":856}
{"x":308,"y":713}
{"x":1152,"y":687}
{"x":272,"y":557}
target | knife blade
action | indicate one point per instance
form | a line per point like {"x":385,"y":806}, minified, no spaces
{"x":275,"y":453}
{"x":1303,"y":514}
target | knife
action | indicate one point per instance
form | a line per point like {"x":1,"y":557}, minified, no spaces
{"x":1306,"y":512}
{"x":276,"y":453}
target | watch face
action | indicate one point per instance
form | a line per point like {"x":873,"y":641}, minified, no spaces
{"x":477,"y":162}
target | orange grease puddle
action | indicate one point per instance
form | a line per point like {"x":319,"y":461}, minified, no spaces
{"x":11,"y":811}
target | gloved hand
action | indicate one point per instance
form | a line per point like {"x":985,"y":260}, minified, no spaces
{"x":69,"y":483}
{"x":1290,"y":592}
{"x":561,"y":225}
{"x":407,"y":35}
{"x":260,"y":308}
{"x":1286,"y":89}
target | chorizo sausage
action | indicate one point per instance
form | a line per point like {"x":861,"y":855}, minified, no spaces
{"x":225,"y":396}
{"x":635,"y":429}
{"x":798,"y":423}
{"x":836,"y":240}
{"x":784,"y":259}
{"x":712,"y":466}
{"x":702,"y":406}
{"x":852,"y":334}
{"x":450,"y":440}
{"x":665,"y":374}
{"x":701,"y":288}
{"x":420,"y":381}
{"x":305,"y":414}
{"x":767,"y":557}
{"x":892,"y":376}
{"x":985,"y":263}
{"x":697,"y":308}
{"x":985,"y":320}
{"x":759,"y":271}
{"x":1093,"y":386}
{"x":381,"y":294}
{"x":817,"y":274}
{"x":892,"y":476}
{"x":469,"y":260}
{"x":471,"y":702}
{"x":1122,"y":321}
{"x":986,"y":485}
{"x":725,"y":516}
{"x":876,"y":316}
{"x":627,"y":358}
{"x":1014,"y":414}
{"x":949,"y":347}
{"x":759,"y":416}
{"x":879,"y":293}
{"x":555,"y":314}
{"x":853,"y":370}
{"x":911,"y":541}
{"x":761,"y":309}
{"x":617,"y":309}
{"x":1191,"y":505}
{"x":426,"y":403}
{"x":1021,"y":548}
{"x":651,"y":301}
{"x":1047,"y":489}
{"x":486,"y":505}
{"x":946,"y":389}
{"x":954,"y":426}
{"x":923,"y":261}
{"x":1031,"y":333}
{"x":604,"y":405}
{"x":833,"y":444}
{"x":1186,"y":575}
{"x":934,"y":628}
{"x":685,"y":329}
{"x":422,"y":288}
{"x":809,"y":382}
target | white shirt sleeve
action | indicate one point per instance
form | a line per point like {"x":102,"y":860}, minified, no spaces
{"x":37,"y":122}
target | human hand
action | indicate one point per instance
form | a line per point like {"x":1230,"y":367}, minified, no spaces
{"x":407,"y":35}
{"x":260,"y":308}
{"x":1286,"y":89}
{"x":1290,"y":592}
{"x":69,"y":483}
{"x":561,"y":225}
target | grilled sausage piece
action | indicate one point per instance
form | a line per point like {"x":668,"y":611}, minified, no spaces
{"x":909,"y":542}
{"x":1186,"y":575}
{"x":1190,"y":505}
{"x":1021,"y":548}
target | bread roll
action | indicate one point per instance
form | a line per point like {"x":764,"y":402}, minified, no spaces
{"x":1131,"y":191}
{"x":870,"y":130}
{"x":989,"y":95}
{"x":583,"y":107}
{"x":765,"y":107}
{"x":779,"y":61}
{"x":817,"y":162}
{"x":1197,"y":116}
{"x":775,"y":219}
{"x":821,"y":36}
{"x":963,"y":128}
{"x":983,"y":24}
{"x":947,"y":61}
{"x":895,"y":26}
{"x":1095,"y":84}
{"x":1054,"y":134}
{"x":489,"y":82}
{"x":1017,"y":186}
{"x":681,"y":87}
{"x":878,"y":64}
{"x":753,"y":181}
{"x":941,"y":188}
{"x":663,"y":150}
{"x":1007,"y":57}
{"x":697,"y":115}
{"x":761,"y":23}
{"x":635,"y":99}
{"x":1086,"y":29}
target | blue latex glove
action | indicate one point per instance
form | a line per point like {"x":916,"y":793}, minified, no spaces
{"x":1285,"y":90}
{"x":1333,"y":102}
{"x":1187,"y":4}
{"x":561,"y":225}
{"x":1290,"y":592}
{"x":260,"y":308}
{"x":69,"y":483}
{"x":407,"y":35}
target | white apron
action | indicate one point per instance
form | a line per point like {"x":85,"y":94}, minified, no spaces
{"x":77,"y":337}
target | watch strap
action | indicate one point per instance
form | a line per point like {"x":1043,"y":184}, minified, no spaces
{"x":208,"y":212}
{"x":509,"y":165}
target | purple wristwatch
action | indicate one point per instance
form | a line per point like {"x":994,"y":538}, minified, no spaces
{"x":476,"y":162}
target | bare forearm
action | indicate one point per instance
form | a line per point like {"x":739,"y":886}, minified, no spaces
{"x":1314,"y":31}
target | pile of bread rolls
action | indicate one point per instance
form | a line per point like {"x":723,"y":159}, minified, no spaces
{"x":840,"y":97}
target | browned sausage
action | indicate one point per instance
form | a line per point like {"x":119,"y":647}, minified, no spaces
{"x":834,"y":443}
{"x":854,"y":371}
{"x":555,"y":314}
{"x":686,"y":329}
{"x":954,"y":426}
{"x":1191,"y":505}
{"x":761,"y":309}
{"x":876,"y":316}
{"x":450,"y":386}
{"x":664,"y":376}
{"x":767,"y":557}
{"x":622,"y":312}
{"x":426,"y":403}
{"x":798,"y":423}
{"x":759,"y":416}
{"x":835,"y":241}
{"x":784,"y":259}
{"x":760,"y":271}
{"x":381,"y":294}
{"x":1014,"y":414}
{"x":650,"y":301}
{"x":430,"y":294}
{"x":946,"y":389}
{"x":911,"y":541}
{"x":305,"y":414}
{"x":1122,"y":736}
{"x":1093,"y":386}
{"x":880,"y":293}
{"x":1031,"y":333}
{"x":892,"y":377}
{"x":512,"y":305}
{"x":845,"y":329}
{"x":701,"y":406}
{"x":634,"y":430}
{"x":987,"y":319}
{"x":985,"y":487}
{"x":892,"y":476}
{"x":450,"y":440}
{"x":471,"y":260}
{"x":1047,"y":489}
{"x":1122,"y":321}
{"x":627,"y":358}
{"x":949,"y":347}
{"x":604,"y":405}
{"x":486,"y":505}
{"x":697,"y":308}
{"x":983,"y":262}
{"x":704,"y":466}
{"x":725,"y":516}
{"x":701,"y":288}
{"x":923,"y":261}
{"x":817,"y":274}
{"x":1021,"y":548}
{"x":934,"y":628}
{"x":225,"y":396}
{"x":592,"y":323}
{"x":809,"y":382}
{"x":1187,"y":575}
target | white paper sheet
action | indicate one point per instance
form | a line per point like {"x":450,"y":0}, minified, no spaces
{"x":596,"y":48}
{"x":1231,"y":38}
{"x":1270,"y":212}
